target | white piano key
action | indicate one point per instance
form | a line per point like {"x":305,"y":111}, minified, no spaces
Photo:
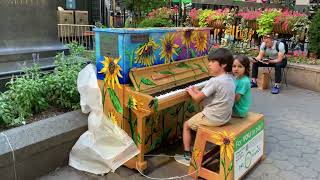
{"x":172,"y":93}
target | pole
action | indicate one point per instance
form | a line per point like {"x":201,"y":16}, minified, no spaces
{"x":180,"y":12}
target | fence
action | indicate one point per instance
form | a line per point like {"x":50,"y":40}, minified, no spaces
{"x":83,"y":34}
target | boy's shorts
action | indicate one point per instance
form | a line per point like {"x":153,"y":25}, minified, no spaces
{"x":201,"y":120}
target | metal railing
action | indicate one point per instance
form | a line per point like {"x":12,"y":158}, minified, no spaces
{"x":83,"y":34}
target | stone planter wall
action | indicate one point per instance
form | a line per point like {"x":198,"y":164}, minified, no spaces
{"x":40,"y":147}
{"x":304,"y":76}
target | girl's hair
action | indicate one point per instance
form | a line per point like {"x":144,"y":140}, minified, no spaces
{"x":223,"y":56}
{"x":244,"y":60}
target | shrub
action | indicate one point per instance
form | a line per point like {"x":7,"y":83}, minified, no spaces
{"x":156,"y":22}
{"x":34,"y":91}
{"x":314,"y":34}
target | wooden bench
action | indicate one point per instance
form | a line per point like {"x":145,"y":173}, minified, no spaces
{"x":235,"y":148}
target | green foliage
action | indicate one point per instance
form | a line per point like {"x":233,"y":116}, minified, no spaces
{"x":34,"y":91}
{"x":203,"y":16}
{"x":314,"y":34}
{"x":266,"y":21}
{"x":142,"y":7}
{"x":156,"y":22}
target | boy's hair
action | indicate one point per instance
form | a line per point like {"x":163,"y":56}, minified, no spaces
{"x":244,"y":60}
{"x":223,"y":56}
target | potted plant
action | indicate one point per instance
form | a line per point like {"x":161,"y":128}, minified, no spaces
{"x":217,"y":18}
{"x":194,"y":17}
{"x":250,"y":18}
{"x":266,"y":21}
{"x":286,"y":21}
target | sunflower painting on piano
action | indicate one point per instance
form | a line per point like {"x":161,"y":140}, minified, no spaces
{"x":111,"y":71}
{"x":168,"y":47}
{"x":145,"y":53}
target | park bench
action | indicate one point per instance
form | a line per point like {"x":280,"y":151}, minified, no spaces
{"x":230,"y":150}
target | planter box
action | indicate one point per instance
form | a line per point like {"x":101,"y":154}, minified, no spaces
{"x":304,"y":76}
{"x":40,"y":147}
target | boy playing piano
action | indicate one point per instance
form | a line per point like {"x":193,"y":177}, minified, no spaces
{"x":217,"y":98}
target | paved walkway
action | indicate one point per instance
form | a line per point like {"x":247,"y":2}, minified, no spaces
{"x":292,"y":123}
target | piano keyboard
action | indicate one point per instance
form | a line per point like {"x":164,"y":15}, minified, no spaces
{"x":179,"y":90}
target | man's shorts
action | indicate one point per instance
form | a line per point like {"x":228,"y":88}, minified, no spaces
{"x":201,"y":120}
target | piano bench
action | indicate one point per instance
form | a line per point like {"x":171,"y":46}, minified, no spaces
{"x":235,"y":148}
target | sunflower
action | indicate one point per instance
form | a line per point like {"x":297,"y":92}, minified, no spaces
{"x":132,"y":103}
{"x":201,"y":41}
{"x":168,"y":47}
{"x":188,"y":37}
{"x":145,"y":54}
{"x":225,"y":141}
{"x":112,"y":71}
{"x":113,"y":118}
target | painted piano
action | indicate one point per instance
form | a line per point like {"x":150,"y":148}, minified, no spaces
{"x":143,"y":74}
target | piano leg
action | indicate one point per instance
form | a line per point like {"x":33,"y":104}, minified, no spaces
{"x":141,"y":163}
{"x":138,"y":161}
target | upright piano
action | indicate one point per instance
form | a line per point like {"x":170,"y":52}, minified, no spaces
{"x":151,"y":103}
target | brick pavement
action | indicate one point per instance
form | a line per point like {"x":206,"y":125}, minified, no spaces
{"x":292,"y":123}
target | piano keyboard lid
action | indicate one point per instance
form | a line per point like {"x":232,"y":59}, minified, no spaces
{"x":157,"y":78}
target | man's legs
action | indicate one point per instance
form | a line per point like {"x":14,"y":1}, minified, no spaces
{"x":278,"y":72}
{"x":255,"y":70}
{"x":278,"y":76}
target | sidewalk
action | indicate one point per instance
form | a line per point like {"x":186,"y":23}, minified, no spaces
{"x":292,"y":123}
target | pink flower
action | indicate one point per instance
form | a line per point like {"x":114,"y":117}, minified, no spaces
{"x":295,"y":53}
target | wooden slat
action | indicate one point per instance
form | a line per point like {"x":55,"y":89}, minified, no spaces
{"x":180,"y":75}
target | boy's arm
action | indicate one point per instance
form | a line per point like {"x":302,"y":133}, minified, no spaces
{"x":196,"y":94}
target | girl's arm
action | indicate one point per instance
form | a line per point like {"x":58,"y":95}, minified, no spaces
{"x":196,"y":94}
{"x":237,"y":97}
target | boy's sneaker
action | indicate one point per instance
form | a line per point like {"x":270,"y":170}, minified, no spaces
{"x":275,"y":90}
{"x":183,"y":159}
{"x":253,"y":84}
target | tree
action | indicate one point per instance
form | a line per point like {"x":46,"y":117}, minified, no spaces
{"x":314,"y":35}
{"x":142,"y":7}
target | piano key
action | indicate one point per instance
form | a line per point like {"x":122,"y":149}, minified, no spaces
{"x":174,"y":92}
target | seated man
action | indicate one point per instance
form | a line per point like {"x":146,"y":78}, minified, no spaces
{"x":272,"y":54}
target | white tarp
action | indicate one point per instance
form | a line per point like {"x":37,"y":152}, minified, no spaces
{"x":105,"y":146}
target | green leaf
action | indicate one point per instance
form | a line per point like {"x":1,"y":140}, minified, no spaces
{"x":190,"y":107}
{"x":223,"y":163}
{"x":179,"y":50}
{"x":138,"y":138}
{"x":193,"y":53}
{"x":201,"y":68}
{"x":230,"y":166}
{"x":166,"y":133}
{"x":166,"y":72}
{"x":115,"y":100}
{"x":147,"y":81}
{"x":155,"y":105}
{"x":184,"y":65}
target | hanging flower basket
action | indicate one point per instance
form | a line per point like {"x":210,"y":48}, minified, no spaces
{"x":253,"y":25}
{"x":195,"y":23}
{"x":278,"y":28}
{"x":217,"y":24}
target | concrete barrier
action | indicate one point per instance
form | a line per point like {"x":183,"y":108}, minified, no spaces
{"x":40,"y":147}
{"x":304,"y":76}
